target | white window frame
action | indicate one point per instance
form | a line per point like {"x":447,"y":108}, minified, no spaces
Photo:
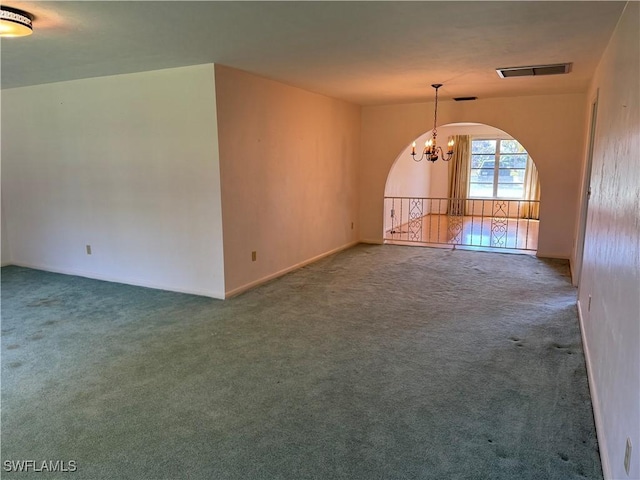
{"x":496,"y":168}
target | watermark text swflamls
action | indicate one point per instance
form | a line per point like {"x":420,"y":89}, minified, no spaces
{"x":39,"y":466}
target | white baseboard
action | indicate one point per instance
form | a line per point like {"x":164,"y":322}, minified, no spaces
{"x":597,"y":415}
{"x":255,"y":283}
{"x":107,"y":278}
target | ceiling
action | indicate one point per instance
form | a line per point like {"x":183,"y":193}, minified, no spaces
{"x":369,"y":53}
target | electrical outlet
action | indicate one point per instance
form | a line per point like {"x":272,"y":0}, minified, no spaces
{"x":589,"y":304}
{"x":627,"y":456}
{"x":254,"y":256}
{"x":88,"y":249}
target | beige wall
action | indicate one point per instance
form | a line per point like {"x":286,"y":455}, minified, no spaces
{"x":127,"y":164}
{"x":289,"y":167}
{"x":611,"y":266}
{"x":550,"y":128}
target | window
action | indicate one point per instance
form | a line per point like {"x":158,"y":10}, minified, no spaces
{"x":497,"y":169}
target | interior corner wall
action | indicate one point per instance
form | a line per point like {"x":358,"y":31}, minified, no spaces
{"x":127,"y":164}
{"x":289,"y":167}
{"x":609,"y":293}
{"x":550,"y":127}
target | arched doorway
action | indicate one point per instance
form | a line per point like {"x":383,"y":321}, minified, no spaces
{"x":487,"y":198}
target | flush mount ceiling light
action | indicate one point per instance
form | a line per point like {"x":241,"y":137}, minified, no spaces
{"x":15,"y":23}
{"x":431,"y":151}
{"x":534,"y":70}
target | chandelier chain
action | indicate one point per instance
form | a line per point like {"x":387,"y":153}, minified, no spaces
{"x":435,"y":116}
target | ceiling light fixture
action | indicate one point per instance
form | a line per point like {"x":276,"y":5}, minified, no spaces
{"x":15,"y":23}
{"x":431,"y":151}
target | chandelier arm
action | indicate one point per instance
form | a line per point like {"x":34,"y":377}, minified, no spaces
{"x":418,"y":159}
{"x":445,"y":157}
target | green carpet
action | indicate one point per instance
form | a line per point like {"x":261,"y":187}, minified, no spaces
{"x":380,"y":362}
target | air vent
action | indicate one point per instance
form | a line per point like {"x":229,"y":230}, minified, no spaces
{"x":464,"y":99}
{"x":534,"y":71}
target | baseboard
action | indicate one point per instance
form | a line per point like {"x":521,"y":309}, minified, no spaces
{"x":595,"y":402}
{"x":107,"y":278}
{"x":559,"y":256}
{"x":376,"y":241}
{"x":255,"y":283}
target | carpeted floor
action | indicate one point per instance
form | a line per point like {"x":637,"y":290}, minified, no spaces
{"x":380,"y":362}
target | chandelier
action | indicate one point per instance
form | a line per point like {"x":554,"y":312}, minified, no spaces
{"x":431,"y":151}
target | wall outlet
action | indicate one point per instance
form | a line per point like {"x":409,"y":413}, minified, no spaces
{"x":254,"y":256}
{"x":88,"y":249}
{"x":627,"y":456}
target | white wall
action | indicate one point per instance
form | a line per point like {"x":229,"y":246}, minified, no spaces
{"x":550,"y":127}
{"x":289,"y":165}
{"x":6,"y":256}
{"x":611,"y":266}
{"x":128,"y":164}
{"x":5,"y":259}
{"x":408,"y":178}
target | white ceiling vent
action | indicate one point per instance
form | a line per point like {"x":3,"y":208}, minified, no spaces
{"x":534,"y":70}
